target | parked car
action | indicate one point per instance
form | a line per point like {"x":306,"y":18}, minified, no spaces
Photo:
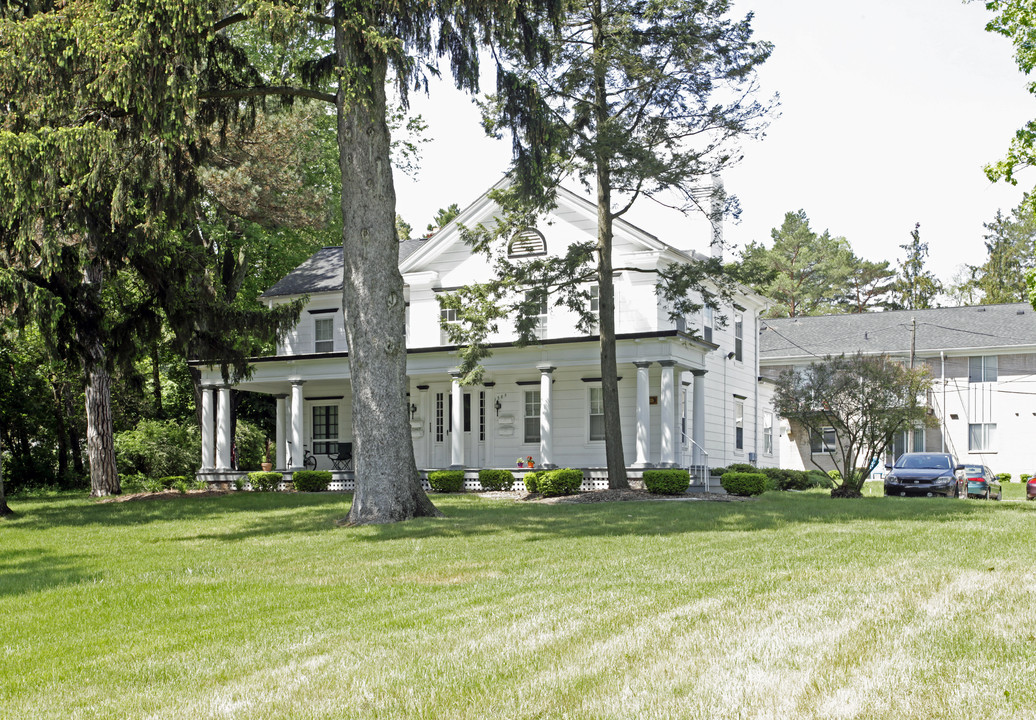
{"x":981,"y":483}
{"x":922,"y":473}
{"x":1030,"y":488}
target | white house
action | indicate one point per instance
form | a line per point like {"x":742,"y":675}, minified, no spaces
{"x":982,"y":361}
{"x":685,"y":401}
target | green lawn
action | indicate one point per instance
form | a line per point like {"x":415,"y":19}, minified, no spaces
{"x":256,"y":606}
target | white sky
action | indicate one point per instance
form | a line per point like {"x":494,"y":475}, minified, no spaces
{"x":889,"y":110}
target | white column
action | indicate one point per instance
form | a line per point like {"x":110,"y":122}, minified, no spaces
{"x":297,"y":451}
{"x":281,"y":460}
{"x":546,"y":415}
{"x":457,"y":421}
{"x":208,"y":450}
{"x":667,"y":406}
{"x":223,"y":438}
{"x":698,"y":416}
{"x":643,"y":415}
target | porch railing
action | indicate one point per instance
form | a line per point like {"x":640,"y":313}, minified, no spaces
{"x":689,"y":457}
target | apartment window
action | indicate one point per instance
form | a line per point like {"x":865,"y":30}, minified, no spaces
{"x":707,"y":319}
{"x":440,"y":423}
{"x":739,"y":425}
{"x":532,"y":416}
{"x":823,"y":442}
{"x":596,"y":414}
{"x":981,"y":437}
{"x":595,"y":299}
{"x":325,"y":429}
{"x":739,"y":337}
{"x":323,"y":331}
{"x":768,"y":433}
{"x":446,"y":316}
{"x":537,"y":299}
{"x":982,"y":368}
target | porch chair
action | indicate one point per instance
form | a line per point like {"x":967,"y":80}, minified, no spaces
{"x":344,"y":461}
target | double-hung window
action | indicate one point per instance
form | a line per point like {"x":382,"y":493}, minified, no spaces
{"x":739,"y":425}
{"x":538,"y":302}
{"x":768,"y":433}
{"x":823,"y":442}
{"x":446,"y":316}
{"x":739,"y":336}
{"x":596,"y":414}
{"x":532,"y":416}
{"x":324,"y":334}
{"x":707,"y":321}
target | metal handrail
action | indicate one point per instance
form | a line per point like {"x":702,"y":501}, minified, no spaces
{"x":704,"y":466}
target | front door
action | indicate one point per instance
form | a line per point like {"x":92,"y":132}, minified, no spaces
{"x":473,"y":426}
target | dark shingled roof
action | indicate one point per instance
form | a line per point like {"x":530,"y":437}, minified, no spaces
{"x":322,"y":272}
{"x":960,"y":328}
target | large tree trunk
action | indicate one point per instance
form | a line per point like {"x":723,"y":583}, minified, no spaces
{"x":100,"y":442}
{"x":609,"y":371}
{"x":388,"y":488}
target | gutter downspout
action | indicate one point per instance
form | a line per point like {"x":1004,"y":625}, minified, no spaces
{"x":755,"y":385}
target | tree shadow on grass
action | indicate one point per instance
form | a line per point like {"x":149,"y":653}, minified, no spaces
{"x":250,"y":515}
{"x":33,"y":570}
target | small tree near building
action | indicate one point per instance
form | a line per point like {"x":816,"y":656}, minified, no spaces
{"x":866,"y":400}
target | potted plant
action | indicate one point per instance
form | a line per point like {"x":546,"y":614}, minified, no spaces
{"x":521,"y":462}
{"x":266,"y":465}
{"x":529,"y":462}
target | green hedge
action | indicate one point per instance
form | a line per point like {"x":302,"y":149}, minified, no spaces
{"x":531,"y":481}
{"x":264,"y":481}
{"x":1003,"y":477}
{"x":552,"y":483}
{"x":494,"y":479}
{"x":667,"y":482}
{"x":446,"y":481}
{"x":311,"y":480}
{"x":744,"y":483}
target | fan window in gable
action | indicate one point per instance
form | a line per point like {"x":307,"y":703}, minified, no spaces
{"x":526,"y":243}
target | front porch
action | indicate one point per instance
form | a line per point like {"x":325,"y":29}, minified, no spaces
{"x":344,"y":480}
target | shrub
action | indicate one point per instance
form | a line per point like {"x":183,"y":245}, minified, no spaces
{"x":311,"y":480}
{"x":250,"y":442}
{"x":834,"y":475}
{"x":175,"y":481}
{"x":1024,"y":477}
{"x":155,"y":448}
{"x":446,"y":481}
{"x":667,"y":482}
{"x":531,"y":481}
{"x":239,"y":483}
{"x":1003,"y":477}
{"x":559,"y":482}
{"x":493,"y":479}
{"x":717,"y":471}
{"x":742,"y":468}
{"x":264,"y":481}
{"x":745,"y":484}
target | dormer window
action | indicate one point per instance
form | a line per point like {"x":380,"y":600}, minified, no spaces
{"x":527,"y":243}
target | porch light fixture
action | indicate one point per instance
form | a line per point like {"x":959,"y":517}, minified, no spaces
{"x":413,"y":410}
{"x":497,"y":405}
{"x":730,"y":355}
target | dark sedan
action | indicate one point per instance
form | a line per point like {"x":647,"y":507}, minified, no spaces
{"x":925,"y":474}
{"x":982,"y":483}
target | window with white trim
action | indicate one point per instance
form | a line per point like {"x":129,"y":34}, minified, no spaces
{"x":325,"y":429}
{"x":707,"y":321}
{"x":538,"y":299}
{"x":767,"y":433}
{"x":595,"y":416}
{"x":739,"y":425}
{"x":324,"y":334}
{"x":532,"y":416}
{"x":446,"y":316}
{"x":981,"y":437}
{"x":823,"y":442}
{"x":982,"y":368}
{"x":739,"y":336}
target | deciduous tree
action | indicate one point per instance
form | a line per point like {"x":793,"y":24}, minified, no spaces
{"x":644,"y":99}
{"x":866,"y":399}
